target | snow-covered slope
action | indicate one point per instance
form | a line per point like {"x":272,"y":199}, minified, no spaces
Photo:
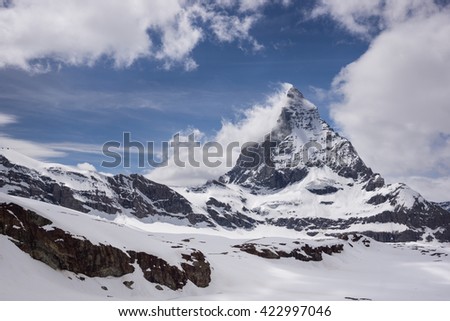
{"x":253,"y":265}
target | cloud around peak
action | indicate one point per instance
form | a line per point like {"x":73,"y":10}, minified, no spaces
{"x":253,"y":125}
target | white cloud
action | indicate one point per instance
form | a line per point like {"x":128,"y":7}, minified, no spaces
{"x":366,"y":17}
{"x":76,"y":147}
{"x":252,"y":5}
{"x":351,"y":14}
{"x":179,"y":38}
{"x":35,"y":33}
{"x":255,"y":123}
{"x":227,"y":29}
{"x":255,"y":5}
{"x":319,"y":94}
{"x":395,"y":98}
{"x":433,"y":189}
{"x":42,"y":151}
{"x":6,"y":119}
{"x":31,"y":149}
{"x":25,"y":147}
{"x":86,"y":167}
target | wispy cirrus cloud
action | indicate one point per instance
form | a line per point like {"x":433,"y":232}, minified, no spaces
{"x":55,"y":97}
{"x":6,"y":119}
{"x":38,"y":150}
{"x":29,"y":148}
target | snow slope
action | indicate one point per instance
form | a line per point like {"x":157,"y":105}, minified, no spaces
{"x":414,"y":271}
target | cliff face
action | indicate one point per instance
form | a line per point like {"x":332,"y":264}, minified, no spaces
{"x":61,"y":250}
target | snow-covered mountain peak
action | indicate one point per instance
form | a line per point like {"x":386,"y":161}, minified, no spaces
{"x":297,"y":104}
{"x":299,"y":141}
{"x":296,"y":101}
{"x":295,"y":94}
{"x":15,"y":157}
{"x":300,"y":119}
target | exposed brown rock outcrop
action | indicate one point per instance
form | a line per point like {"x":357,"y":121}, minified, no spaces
{"x":157,"y":270}
{"x":61,"y":250}
{"x":305,"y":253}
{"x":198,"y":270}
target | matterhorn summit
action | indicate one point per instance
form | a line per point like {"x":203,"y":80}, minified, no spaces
{"x":299,"y":141}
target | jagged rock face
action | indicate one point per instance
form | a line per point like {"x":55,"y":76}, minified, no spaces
{"x":157,"y":270}
{"x":299,"y":141}
{"x":223,"y":215}
{"x":61,"y":250}
{"x":304,"y":253}
{"x":26,"y":182}
{"x":58,"y":249}
{"x":374,"y":182}
{"x":111,"y":195}
{"x":133,"y":190}
{"x":197,"y":269}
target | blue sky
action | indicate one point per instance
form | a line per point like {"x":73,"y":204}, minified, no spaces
{"x":68,"y":85}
